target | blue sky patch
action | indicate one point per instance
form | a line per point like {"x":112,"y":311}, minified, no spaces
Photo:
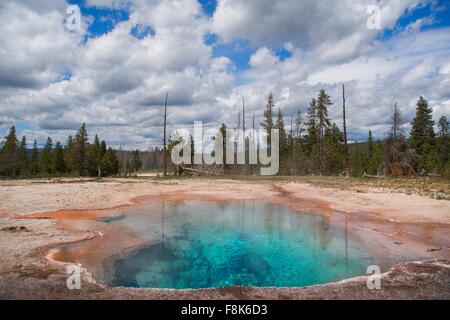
{"x":238,"y":51}
{"x":64,"y":76}
{"x":209,"y":6}
{"x":436,"y":16}
{"x":283,"y":54}
{"x":104,"y":20}
{"x":22,"y":125}
{"x":140,"y":31}
{"x":211,"y":39}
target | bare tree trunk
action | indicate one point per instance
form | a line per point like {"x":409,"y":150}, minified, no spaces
{"x":165,"y":134}
{"x":243,"y":113}
{"x":321,"y":147}
{"x":346,"y":160}
{"x":245,"y":142}
{"x":257,"y":144}
{"x":292,"y":145}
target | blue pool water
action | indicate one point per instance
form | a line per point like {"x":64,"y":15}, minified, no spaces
{"x":203,"y":245}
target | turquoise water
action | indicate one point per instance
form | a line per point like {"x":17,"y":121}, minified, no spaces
{"x":203,"y":245}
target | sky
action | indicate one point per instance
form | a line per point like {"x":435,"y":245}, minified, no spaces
{"x":113,"y":71}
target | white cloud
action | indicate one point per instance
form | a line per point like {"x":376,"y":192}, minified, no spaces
{"x":338,"y":26}
{"x":360,"y":69}
{"x":263,"y":58}
{"x":398,"y":70}
{"x":107,"y":3}
{"x":36,"y":47}
{"x":118,"y":82}
{"x":168,"y":14}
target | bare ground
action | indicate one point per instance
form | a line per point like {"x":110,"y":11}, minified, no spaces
{"x":397,"y":227}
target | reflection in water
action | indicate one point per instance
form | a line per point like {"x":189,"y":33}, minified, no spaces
{"x":240,"y":243}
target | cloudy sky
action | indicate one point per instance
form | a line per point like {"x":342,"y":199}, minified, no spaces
{"x":114,"y":70}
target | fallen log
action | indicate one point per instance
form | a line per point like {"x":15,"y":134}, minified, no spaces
{"x":372,"y":176}
{"x":199,"y":171}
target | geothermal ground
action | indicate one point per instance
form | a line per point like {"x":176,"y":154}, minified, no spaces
{"x":405,"y":224}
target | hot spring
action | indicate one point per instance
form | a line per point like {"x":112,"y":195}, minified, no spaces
{"x":193,"y":244}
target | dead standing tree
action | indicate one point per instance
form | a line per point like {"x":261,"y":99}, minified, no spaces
{"x":346,"y":159}
{"x":236,"y":145}
{"x":243,"y":132}
{"x":256,"y":146}
{"x":243,"y":114}
{"x":398,"y":156}
{"x":291,"y":145}
{"x":165,"y":134}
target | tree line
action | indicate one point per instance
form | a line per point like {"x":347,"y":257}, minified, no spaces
{"x":315,"y":145}
{"x":78,"y":157}
{"x":310,"y":143}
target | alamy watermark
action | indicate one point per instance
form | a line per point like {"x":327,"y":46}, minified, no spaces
{"x":73,"y":20}
{"x":73,"y":281}
{"x":374,"y":280}
{"x":374,"y":20}
{"x":239,"y":147}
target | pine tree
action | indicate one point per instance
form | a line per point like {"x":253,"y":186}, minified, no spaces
{"x":110,"y":163}
{"x":443,"y":145}
{"x":333,"y":150}
{"x":15,"y":159}
{"x":69,"y":155}
{"x":268,"y":123}
{"x":311,"y":125}
{"x":323,"y":102}
{"x":376,"y":162}
{"x":443,"y":128}
{"x":24,"y":161}
{"x":81,"y":153}
{"x":283,"y":142}
{"x":97,"y":142}
{"x":136,"y":163}
{"x":34,"y":160}
{"x":298,"y":157}
{"x":102,"y":148}
{"x":374,"y":155}
{"x":423,"y":136}
{"x":45,"y":162}
{"x":358,"y":160}
{"x":299,"y":129}
{"x":291,"y":142}
{"x":312,"y":138}
{"x":370,"y":144}
{"x":10,"y":157}
{"x":58,"y":163}
{"x":95,"y":158}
